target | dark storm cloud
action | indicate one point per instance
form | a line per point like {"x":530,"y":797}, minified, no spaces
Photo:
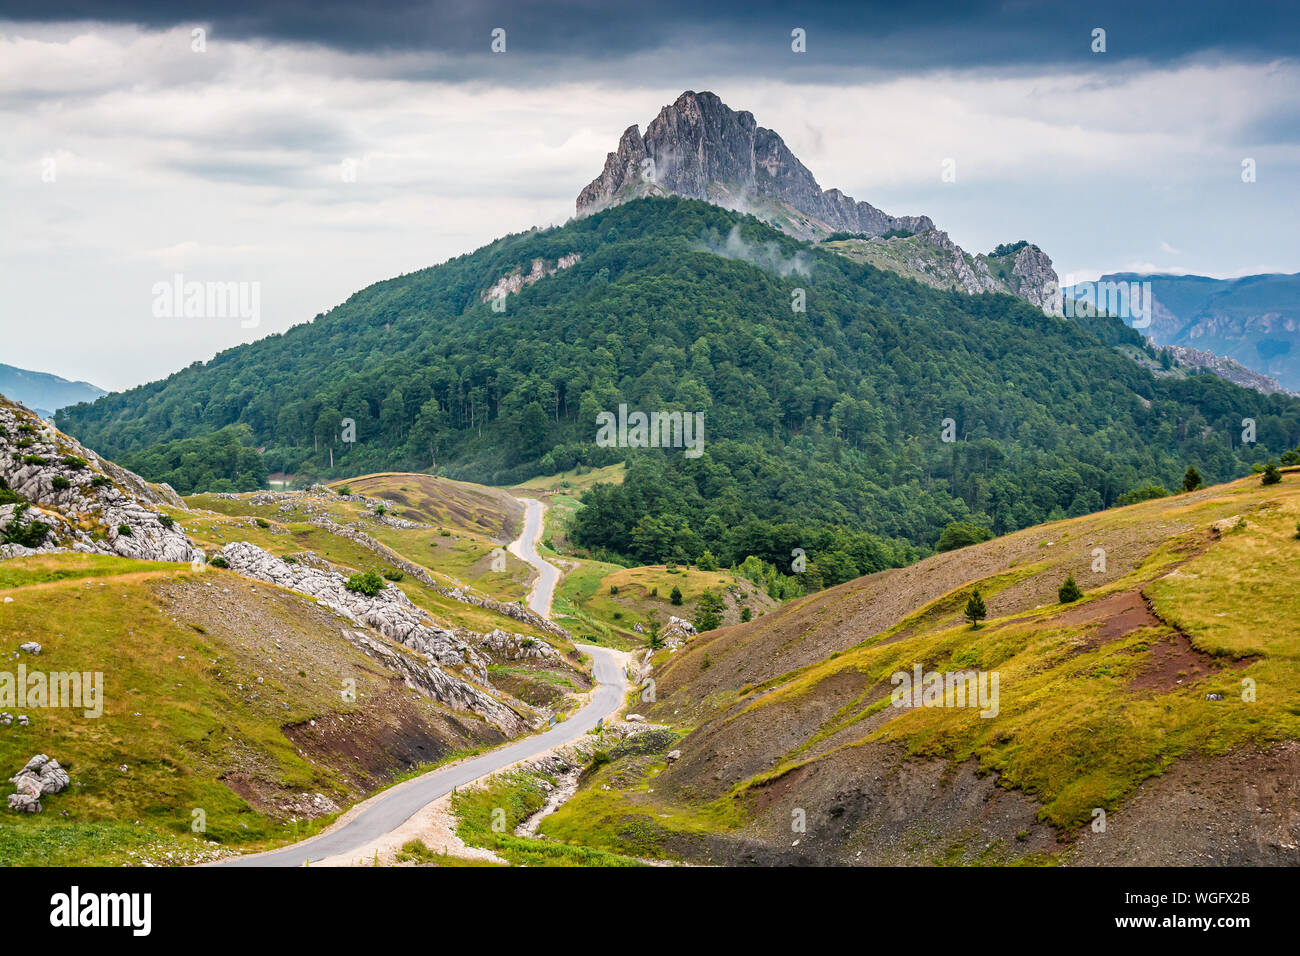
{"x":653,"y":40}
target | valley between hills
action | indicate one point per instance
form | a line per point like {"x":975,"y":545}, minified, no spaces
{"x":253,"y":686}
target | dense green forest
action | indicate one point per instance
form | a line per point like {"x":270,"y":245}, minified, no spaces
{"x":224,"y":460}
{"x":824,"y":428}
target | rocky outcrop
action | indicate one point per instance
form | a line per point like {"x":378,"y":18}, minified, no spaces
{"x":517,"y":647}
{"x":85,"y":503}
{"x":1225,"y":368}
{"x":514,"y":281}
{"x":677,"y":632}
{"x":700,"y":148}
{"x":430,"y":679}
{"x":390,"y":611}
{"x":392,"y":614}
{"x":1034,"y":280}
{"x":40,"y":777}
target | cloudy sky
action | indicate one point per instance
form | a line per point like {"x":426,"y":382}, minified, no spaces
{"x":316,"y":148}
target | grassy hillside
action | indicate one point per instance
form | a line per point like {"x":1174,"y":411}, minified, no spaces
{"x":460,"y":535}
{"x":220,"y":695}
{"x":605,"y":602}
{"x":1168,"y":689}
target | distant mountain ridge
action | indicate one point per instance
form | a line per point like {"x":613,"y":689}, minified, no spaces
{"x":45,"y":393}
{"x":1254,"y":320}
{"x":700,"y":148}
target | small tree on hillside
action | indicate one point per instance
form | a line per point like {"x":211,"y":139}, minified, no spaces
{"x":1191,"y":479}
{"x":1069,"y":591}
{"x":708,"y":611}
{"x":676,"y":595}
{"x":652,"y":631}
{"x":1271,"y":474}
{"x":975,"y":610}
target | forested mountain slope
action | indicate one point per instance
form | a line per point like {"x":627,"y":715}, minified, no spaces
{"x":492,"y":367}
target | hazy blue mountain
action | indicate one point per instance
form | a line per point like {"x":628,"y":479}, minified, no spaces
{"x":1254,"y":320}
{"x":42,"y":392}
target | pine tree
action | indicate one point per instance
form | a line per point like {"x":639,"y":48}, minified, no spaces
{"x":1069,"y":591}
{"x":1192,"y":479}
{"x":975,"y":610}
{"x":1271,"y":474}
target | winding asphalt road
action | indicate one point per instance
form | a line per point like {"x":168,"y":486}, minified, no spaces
{"x":525,"y":547}
{"x":394,"y":807}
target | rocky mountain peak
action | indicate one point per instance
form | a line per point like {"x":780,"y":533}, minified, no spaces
{"x":700,"y":148}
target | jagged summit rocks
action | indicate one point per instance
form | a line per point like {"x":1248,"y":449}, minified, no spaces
{"x":700,"y":148}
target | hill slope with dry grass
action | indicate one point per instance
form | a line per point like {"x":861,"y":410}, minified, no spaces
{"x":1155,"y":720}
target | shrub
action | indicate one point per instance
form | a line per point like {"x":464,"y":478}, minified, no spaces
{"x":708,"y":611}
{"x":746,"y":614}
{"x":676,"y":596}
{"x":652,"y":631}
{"x":1271,"y":474}
{"x":29,"y":534}
{"x":125,"y":529}
{"x":219,"y":561}
{"x":975,"y":609}
{"x":707,"y":562}
{"x":368,"y":583}
{"x":167,"y":521}
{"x":60,"y":483}
{"x":75,"y":462}
{"x":1191,"y":479}
{"x":262,"y":523}
{"x":959,"y":534}
{"x":1145,"y":493}
{"x":34,"y":460}
{"x":1069,"y":591}
{"x":100,"y":481}
{"x":613,"y":589}
{"x":1007,"y":248}
{"x":7,"y":495}
{"x":345,"y":490}
{"x":381,"y":509}
{"x":393,"y":574}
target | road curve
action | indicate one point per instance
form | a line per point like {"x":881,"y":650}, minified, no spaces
{"x":524,"y":547}
{"x":389,"y":810}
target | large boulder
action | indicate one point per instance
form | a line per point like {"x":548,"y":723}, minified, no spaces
{"x":40,"y":776}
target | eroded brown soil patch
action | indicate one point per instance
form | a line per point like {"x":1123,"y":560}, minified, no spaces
{"x":1236,"y":809}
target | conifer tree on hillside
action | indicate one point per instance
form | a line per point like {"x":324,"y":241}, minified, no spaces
{"x":1069,"y":591}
